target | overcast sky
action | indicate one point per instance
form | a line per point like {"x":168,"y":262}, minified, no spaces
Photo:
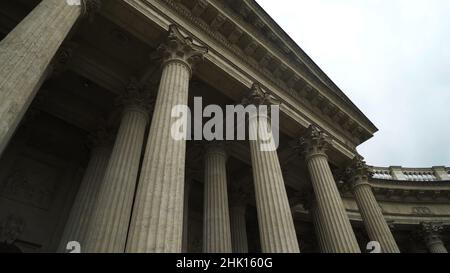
{"x":392,"y":59}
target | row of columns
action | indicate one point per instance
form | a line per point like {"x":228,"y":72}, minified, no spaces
{"x":121,"y":209}
{"x":111,"y":216}
{"x":337,"y":232}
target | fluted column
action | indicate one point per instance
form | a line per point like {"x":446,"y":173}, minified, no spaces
{"x":340,"y":237}
{"x":108,"y":229}
{"x":81,"y":213}
{"x":157,"y":221}
{"x":276,"y":225}
{"x":25,"y":55}
{"x":238,"y":222}
{"x":431,"y":233}
{"x":187,"y":191}
{"x":216,"y":216}
{"x":319,"y":228}
{"x":376,"y":226}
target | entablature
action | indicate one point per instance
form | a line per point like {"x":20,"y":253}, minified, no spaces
{"x":255,"y":38}
{"x":132,"y":15}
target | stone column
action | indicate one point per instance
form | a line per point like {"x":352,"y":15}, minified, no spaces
{"x":216,"y":216}
{"x":431,"y":233}
{"x":238,"y":221}
{"x":187,"y":191}
{"x":336,"y":225}
{"x":376,"y":226}
{"x":108,"y":229}
{"x":276,"y":225}
{"x":83,"y":206}
{"x":319,"y":229}
{"x":157,"y":221}
{"x":25,"y":55}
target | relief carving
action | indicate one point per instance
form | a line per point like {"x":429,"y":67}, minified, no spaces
{"x":421,"y":211}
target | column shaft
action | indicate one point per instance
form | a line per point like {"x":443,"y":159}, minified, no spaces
{"x":108,"y":229}
{"x":319,"y":228}
{"x":25,"y":55}
{"x":435,"y":245}
{"x":157,"y":221}
{"x":83,"y":206}
{"x":216,"y":217}
{"x":276,"y":225}
{"x":187,"y":191}
{"x":376,"y":226}
{"x":337,"y":227}
{"x":238,"y":229}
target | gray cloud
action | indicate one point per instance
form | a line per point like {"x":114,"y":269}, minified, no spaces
{"x":392,"y":59}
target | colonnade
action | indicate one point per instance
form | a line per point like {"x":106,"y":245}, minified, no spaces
{"x":123,"y":208}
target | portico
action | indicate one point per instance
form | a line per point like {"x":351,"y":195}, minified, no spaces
{"x":87,"y":154}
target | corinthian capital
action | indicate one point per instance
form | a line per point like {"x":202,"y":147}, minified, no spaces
{"x":314,"y":142}
{"x":431,"y":231}
{"x":358,"y":172}
{"x":431,"y":228}
{"x":182,"y":49}
{"x":257,"y":97}
{"x":136,"y":96}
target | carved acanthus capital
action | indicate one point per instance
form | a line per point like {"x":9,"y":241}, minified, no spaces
{"x":358,"y":173}
{"x":257,"y":97}
{"x":136,"y":96}
{"x":179,"y":48}
{"x":431,"y":231}
{"x":431,"y":228}
{"x":314,"y":142}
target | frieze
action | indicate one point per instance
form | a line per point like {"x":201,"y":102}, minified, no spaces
{"x":282,"y":50}
{"x":413,"y":195}
{"x":421,"y":211}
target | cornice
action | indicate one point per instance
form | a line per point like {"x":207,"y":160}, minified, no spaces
{"x":163,"y":15}
{"x":288,"y":45}
{"x":408,"y":191}
{"x":283,"y":48}
{"x":302,"y":92}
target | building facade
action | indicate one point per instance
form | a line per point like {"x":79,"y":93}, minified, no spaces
{"x":88,"y":161}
